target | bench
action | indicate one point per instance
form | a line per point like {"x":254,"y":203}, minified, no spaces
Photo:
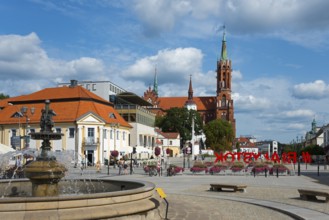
{"x":220,"y":187}
{"x":307,"y":194}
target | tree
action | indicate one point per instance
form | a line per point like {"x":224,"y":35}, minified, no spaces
{"x":314,"y":150}
{"x":3,"y":96}
{"x":219,"y":135}
{"x":180,"y":120}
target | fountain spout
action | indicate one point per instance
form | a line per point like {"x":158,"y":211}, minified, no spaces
{"x":45,"y":172}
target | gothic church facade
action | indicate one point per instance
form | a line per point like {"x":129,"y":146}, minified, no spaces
{"x":220,"y":106}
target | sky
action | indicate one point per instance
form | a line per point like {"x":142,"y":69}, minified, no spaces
{"x":279,"y":51}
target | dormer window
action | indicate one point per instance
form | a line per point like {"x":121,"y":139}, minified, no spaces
{"x":112,"y":115}
{"x":17,"y":115}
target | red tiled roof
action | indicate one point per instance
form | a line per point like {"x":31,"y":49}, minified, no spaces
{"x":168,"y":135}
{"x":203,"y":103}
{"x":59,"y":93}
{"x":69,"y":104}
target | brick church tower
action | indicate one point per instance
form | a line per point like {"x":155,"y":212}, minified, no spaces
{"x":219,"y":106}
{"x":224,"y":102}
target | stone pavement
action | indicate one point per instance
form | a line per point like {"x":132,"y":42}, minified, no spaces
{"x":265,"y":198}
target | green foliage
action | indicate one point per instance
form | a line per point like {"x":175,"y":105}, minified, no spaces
{"x":288,"y":148}
{"x":180,"y":120}
{"x":314,"y":150}
{"x":4,"y":96}
{"x":219,"y":135}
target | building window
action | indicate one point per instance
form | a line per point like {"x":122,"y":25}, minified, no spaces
{"x":118,"y":135}
{"x":124,"y":135}
{"x":93,"y":86}
{"x":104,"y":133}
{"x":87,"y":87}
{"x":32,"y":130}
{"x":91,"y":135}
{"x":71,"y":132}
{"x":13,"y":131}
{"x":58,"y":130}
{"x":111,"y":134}
{"x":170,"y":142}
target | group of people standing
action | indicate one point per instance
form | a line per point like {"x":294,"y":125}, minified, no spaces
{"x":123,"y":167}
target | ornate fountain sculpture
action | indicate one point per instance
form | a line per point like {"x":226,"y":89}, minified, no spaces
{"x":45,"y":172}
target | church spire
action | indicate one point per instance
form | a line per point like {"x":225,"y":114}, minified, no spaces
{"x":155,"y":84}
{"x":224,"y":52}
{"x":190,"y":90}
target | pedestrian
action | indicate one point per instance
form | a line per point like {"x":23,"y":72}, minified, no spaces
{"x":82,"y":166}
{"x":120,"y":166}
{"x":125,"y":168}
{"x":98,"y":167}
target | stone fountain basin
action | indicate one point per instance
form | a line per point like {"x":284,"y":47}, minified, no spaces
{"x":81,"y":199}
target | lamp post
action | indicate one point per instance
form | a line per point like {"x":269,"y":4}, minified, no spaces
{"x":114,"y":126}
{"x":25,"y":113}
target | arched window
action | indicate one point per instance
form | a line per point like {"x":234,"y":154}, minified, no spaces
{"x":223,"y":101}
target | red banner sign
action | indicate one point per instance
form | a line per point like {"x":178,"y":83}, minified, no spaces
{"x":249,"y":157}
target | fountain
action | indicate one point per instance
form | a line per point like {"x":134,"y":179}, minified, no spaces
{"x":45,"y":172}
{"x":45,"y":196}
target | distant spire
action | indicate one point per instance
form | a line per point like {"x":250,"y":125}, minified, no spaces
{"x":155,"y":84}
{"x":190,"y":90}
{"x":223,"y":52}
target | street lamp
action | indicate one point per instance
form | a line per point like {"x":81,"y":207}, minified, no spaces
{"x":298,"y":159}
{"x":114,"y":126}
{"x":25,"y":113}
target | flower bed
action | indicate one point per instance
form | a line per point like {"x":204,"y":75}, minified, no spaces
{"x":198,"y":168}
{"x":237,"y":166}
{"x":148,"y":167}
{"x":260,"y":168}
{"x":280,"y":168}
{"x":217,"y":168}
{"x":177,"y":169}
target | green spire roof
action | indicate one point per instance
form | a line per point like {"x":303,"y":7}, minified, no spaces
{"x":155,"y":84}
{"x":224,"y":52}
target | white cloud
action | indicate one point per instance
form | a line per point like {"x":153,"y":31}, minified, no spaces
{"x":25,"y":64}
{"x":236,"y":75}
{"x":300,"y":113}
{"x":171,"y":64}
{"x":301,"y":22}
{"x":314,"y":90}
{"x":247,"y":103}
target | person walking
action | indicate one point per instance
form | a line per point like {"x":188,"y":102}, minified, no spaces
{"x":125,"y":168}
{"x":120,"y":164}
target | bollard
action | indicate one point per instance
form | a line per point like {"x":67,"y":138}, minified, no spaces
{"x":265,"y":172}
{"x":277,"y":172}
{"x":318,"y":169}
{"x":254,"y":172}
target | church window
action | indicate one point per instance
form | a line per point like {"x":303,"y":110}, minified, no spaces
{"x":223,"y":104}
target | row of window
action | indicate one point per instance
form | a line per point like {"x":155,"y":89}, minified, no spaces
{"x":58,"y":130}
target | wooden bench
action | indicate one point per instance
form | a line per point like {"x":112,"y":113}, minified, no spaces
{"x":220,"y":187}
{"x":307,"y":194}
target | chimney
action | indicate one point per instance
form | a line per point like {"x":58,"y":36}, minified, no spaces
{"x":74,"y":83}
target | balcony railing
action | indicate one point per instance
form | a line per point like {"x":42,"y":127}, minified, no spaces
{"x":90,"y":141}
